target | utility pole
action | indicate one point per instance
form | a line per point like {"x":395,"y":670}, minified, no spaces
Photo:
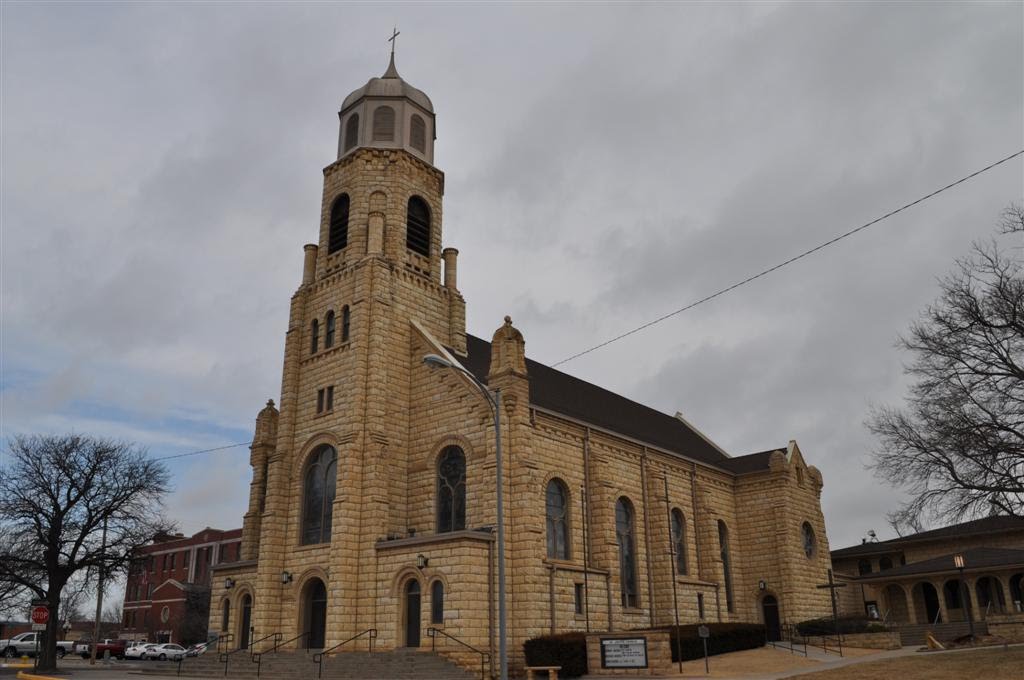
{"x":99,"y":598}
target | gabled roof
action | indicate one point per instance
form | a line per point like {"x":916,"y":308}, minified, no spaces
{"x":985,"y":525}
{"x":974,"y":559}
{"x":566,"y":395}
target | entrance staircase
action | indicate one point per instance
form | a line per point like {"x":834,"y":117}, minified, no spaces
{"x":398,"y":664}
{"x":912,"y":634}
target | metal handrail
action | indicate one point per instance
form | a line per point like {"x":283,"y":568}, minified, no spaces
{"x":225,"y":658}
{"x":257,"y":657}
{"x":278,"y":645}
{"x":318,"y":658}
{"x":225,"y":638}
{"x":484,"y":656}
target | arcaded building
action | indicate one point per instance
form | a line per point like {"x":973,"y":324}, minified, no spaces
{"x":372,"y":502}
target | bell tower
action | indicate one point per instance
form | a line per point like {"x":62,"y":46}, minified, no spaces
{"x":376,"y":272}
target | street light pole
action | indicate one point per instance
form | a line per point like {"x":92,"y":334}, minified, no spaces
{"x":494,"y":400}
{"x":965,"y":593}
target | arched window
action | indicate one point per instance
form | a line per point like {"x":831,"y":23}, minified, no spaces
{"x":417,"y":227}
{"x":679,"y":539}
{"x":314,"y":336}
{"x":864,"y":567}
{"x":451,"y":490}
{"x":352,"y":132}
{"x":383,"y":124}
{"x":418,"y":133}
{"x":723,"y":544}
{"x":627,"y":552}
{"x":437,"y":602}
{"x":557,"y":511}
{"x":318,"y":495}
{"x":337,"y":238}
{"x":329,"y":330}
{"x":885,"y":563}
{"x":225,"y":617}
{"x":810,"y":542}
{"x":346,"y":318}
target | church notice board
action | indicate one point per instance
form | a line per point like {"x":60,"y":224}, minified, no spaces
{"x":624,"y":652}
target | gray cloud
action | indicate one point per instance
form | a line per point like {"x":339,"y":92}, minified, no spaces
{"x":604,"y":165}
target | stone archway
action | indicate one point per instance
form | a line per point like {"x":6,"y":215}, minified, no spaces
{"x":896,"y":608}
{"x":990,"y":596}
{"x":954,"y":591}
{"x":411,"y":606}
{"x":314,"y":613}
{"x":770,"y":613}
{"x":1017,"y":592}
{"x":926,"y":603}
{"x":244,"y":621}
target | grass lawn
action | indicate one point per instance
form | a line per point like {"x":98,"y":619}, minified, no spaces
{"x":984,"y":664}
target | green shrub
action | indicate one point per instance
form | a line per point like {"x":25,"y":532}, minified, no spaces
{"x":725,"y":637}
{"x":847,"y":625}
{"x":568,"y":650}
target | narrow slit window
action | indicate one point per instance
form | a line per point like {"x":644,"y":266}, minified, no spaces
{"x":346,"y":319}
{"x":417,"y":233}
{"x":329,"y":330}
{"x":337,"y":237}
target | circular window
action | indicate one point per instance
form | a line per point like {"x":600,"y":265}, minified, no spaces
{"x":810,"y":544}
{"x":165,"y":614}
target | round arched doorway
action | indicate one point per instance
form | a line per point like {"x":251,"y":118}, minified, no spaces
{"x":245,"y":621}
{"x":770,"y":610}
{"x":314,"y":613}
{"x":412,"y":613}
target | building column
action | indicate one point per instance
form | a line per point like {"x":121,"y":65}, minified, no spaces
{"x":1004,"y":583}
{"x":911,"y":605}
{"x":940,"y":591}
{"x":972,"y":597}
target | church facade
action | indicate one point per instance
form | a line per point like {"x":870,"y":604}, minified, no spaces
{"x":372,"y":502}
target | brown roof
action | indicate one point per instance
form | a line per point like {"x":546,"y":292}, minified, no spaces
{"x":569,"y":396}
{"x":985,"y":525}
{"x":974,"y":559}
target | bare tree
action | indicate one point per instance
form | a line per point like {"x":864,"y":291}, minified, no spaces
{"x":58,"y":496}
{"x":72,"y":600}
{"x":957,"y":446}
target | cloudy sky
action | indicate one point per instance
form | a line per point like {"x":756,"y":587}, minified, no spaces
{"x":605,"y":164}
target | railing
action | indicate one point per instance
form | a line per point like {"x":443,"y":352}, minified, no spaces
{"x":318,"y":658}
{"x":225,"y":658}
{"x":257,"y":657}
{"x":224,"y":639}
{"x":485,"y":657}
{"x":791,"y":637}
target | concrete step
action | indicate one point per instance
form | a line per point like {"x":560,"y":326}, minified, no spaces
{"x":290,"y":665}
{"x":912,"y":634}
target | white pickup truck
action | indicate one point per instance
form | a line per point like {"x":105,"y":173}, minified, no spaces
{"x":25,"y":645}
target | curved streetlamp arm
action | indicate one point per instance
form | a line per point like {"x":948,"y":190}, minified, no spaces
{"x":436,"y":360}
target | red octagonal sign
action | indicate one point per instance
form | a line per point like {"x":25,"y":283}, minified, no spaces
{"x":40,"y":614}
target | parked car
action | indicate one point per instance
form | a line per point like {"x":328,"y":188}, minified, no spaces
{"x":137,"y":649}
{"x":25,"y":645}
{"x":115,"y":647}
{"x":165,"y":651}
{"x":197,"y":649}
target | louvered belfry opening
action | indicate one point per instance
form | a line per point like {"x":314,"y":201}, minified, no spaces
{"x":417,"y":232}
{"x":418,"y":133}
{"x":384,"y":124}
{"x":352,"y":132}
{"x":338,"y":236}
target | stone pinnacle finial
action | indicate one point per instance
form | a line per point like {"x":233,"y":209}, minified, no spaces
{"x":508,"y":320}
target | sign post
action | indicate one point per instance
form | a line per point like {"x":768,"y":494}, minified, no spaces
{"x":39,"y":616}
{"x":704,"y":632}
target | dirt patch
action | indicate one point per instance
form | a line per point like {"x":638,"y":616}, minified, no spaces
{"x":994,"y":663}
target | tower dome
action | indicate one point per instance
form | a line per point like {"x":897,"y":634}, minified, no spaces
{"x":387,"y":113}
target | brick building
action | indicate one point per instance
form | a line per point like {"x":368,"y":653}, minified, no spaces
{"x":167,"y":594}
{"x":372,"y":501}
{"x":914,"y":579}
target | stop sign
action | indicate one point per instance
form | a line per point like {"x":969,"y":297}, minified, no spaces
{"x":40,"y":615}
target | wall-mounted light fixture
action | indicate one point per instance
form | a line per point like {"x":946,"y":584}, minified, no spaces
{"x":421,"y":561}
{"x":286,"y":577}
{"x":229,"y":583}
{"x":762,"y":584}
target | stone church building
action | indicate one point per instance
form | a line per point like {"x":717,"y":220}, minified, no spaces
{"x":372,"y":503}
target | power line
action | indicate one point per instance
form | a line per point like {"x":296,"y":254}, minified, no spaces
{"x":196,"y":453}
{"x":791,"y":260}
